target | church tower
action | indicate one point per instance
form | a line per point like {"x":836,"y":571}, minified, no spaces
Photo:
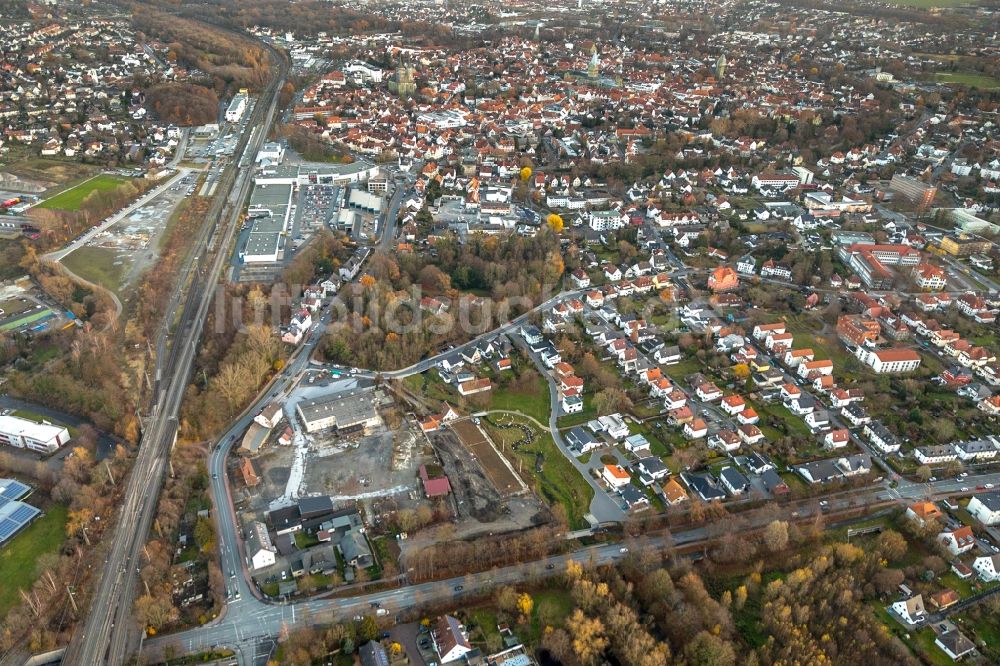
{"x":594,"y":68}
{"x":720,"y":67}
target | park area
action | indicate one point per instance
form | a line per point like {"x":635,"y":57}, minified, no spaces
{"x":553,"y":476}
{"x":73,"y":198}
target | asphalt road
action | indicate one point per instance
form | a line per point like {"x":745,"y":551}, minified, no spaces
{"x":249,"y":623}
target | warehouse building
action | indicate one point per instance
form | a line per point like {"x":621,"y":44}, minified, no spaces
{"x":365,"y":201}
{"x":316,"y":174}
{"x":24,"y":434}
{"x":268,"y":213}
{"x":347,"y":411}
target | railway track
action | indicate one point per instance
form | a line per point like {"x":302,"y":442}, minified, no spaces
{"x":109,"y":634}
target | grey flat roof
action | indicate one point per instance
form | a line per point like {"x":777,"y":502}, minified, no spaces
{"x":346,"y":407}
{"x":271,"y":195}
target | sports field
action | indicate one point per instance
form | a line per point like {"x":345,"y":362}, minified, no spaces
{"x":72,"y":198}
{"x":496,"y":468}
{"x":971,"y":79}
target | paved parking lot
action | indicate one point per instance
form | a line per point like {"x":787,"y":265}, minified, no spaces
{"x":413,"y":639}
{"x":315,"y":207}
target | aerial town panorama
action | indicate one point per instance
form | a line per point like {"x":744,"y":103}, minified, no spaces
{"x":582,"y":333}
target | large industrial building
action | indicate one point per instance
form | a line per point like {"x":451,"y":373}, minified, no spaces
{"x":347,"y":411}
{"x":24,"y":434}
{"x":316,"y":174}
{"x":268,"y":213}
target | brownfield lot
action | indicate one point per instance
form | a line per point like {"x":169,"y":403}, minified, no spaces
{"x":49,"y":173}
{"x":482,"y":448}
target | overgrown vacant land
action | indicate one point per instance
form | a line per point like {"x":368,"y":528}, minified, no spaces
{"x":74,"y":197}
{"x":98,"y":265}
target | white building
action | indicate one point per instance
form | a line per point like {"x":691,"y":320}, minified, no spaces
{"x":887,"y":361}
{"x":911,"y":610}
{"x":985,"y":508}
{"x":935,"y":454}
{"x":237,"y":107}
{"x":606,"y":220}
{"x":450,"y":640}
{"x":24,"y":434}
{"x":362,"y":71}
{"x":988,"y":568}
{"x":273,"y":152}
{"x":260,"y":550}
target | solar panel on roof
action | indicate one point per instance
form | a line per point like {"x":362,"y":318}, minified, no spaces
{"x":23,"y":514}
{"x":7,"y":528}
{"x":14,"y":490}
{"x":3,"y":500}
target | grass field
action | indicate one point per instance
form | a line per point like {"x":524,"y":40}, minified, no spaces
{"x":971,"y":79}
{"x":97,"y":265}
{"x":72,"y":198}
{"x":17,"y":560}
{"x":15,"y":306}
{"x":534,"y":402}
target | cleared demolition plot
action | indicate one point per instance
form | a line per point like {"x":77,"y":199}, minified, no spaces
{"x":496,"y":467}
{"x":119,"y":255}
{"x":354,"y":462}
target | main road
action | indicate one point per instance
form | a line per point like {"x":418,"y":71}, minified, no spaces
{"x":109,"y":634}
{"x":250,"y":625}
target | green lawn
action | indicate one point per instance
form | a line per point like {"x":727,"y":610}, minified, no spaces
{"x":72,"y":198}
{"x":681,"y":370}
{"x":987,"y":630}
{"x":532,"y":403}
{"x":97,"y":265}
{"x":558,"y":482}
{"x":971,"y":79}
{"x":794,"y":424}
{"x":18,"y":558}
{"x":552,"y":607}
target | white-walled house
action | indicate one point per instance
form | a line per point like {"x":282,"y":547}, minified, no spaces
{"x":985,"y":508}
{"x":987,"y":568}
